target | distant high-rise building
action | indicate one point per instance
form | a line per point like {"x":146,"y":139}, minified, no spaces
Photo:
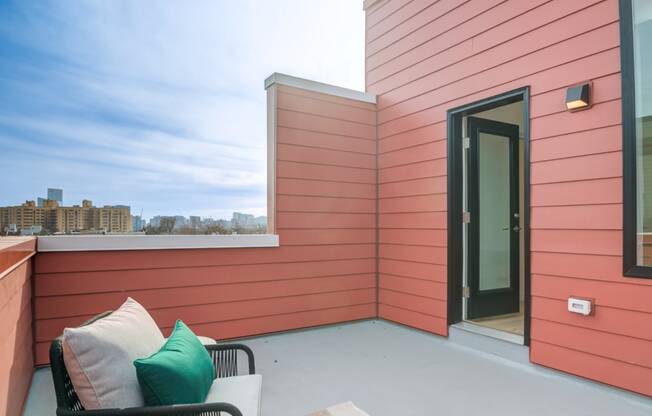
{"x":137,"y":222}
{"x":40,"y":202}
{"x":55,"y":194}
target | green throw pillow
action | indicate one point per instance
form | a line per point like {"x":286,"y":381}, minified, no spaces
{"x":180,"y":372}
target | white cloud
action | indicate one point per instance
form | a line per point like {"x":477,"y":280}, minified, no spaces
{"x":168,"y":94}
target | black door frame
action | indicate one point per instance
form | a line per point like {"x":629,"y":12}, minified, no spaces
{"x":455,"y":202}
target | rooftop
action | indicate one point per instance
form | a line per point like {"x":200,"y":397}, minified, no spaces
{"x":389,"y":369}
{"x":375,"y":202}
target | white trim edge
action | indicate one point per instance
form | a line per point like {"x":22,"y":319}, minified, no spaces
{"x":152,"y":242}
{"x":271,"y":159}
{"x":306,"y":84}
{"x":366,"y":4}
{"x":16,"y":265}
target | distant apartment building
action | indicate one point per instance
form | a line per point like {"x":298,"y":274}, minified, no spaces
{"x":16,"y":218}
{"x":54,"y":218}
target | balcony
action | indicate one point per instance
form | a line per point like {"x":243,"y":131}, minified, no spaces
{"x":345,"y":299}
{"x":389,"y":369}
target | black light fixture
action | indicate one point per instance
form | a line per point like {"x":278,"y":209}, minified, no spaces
{"x":578,"y":97}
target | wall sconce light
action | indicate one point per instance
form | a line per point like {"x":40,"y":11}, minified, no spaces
{"x":578,"y":97}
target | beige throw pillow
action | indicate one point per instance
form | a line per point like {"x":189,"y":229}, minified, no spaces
{"x":99,"y":357}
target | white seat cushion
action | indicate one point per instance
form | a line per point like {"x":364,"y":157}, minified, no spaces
{"x":241,"y":391}
{"x":100,"y":357}
{"x":203,"y":340}
{"x":206,"y":340}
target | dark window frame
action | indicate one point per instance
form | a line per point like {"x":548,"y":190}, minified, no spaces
{"x":630,"y":266}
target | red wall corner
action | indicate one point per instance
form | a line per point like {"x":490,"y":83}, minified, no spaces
{"x":16,"y":344}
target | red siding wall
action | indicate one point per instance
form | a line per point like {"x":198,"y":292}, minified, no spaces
{"x":16,"y":344}
{"x":424,"y":57}
{"x":324,"y":271}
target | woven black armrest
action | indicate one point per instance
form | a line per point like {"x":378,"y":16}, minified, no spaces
{"x":204,"y":409}
{"x":225,"y":358}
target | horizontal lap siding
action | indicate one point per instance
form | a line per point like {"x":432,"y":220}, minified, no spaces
{"x":426,"y":57}
{"x":16,"y":343}
{"x":323,"y":272}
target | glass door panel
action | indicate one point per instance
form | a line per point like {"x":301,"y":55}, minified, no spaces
{"x":494,"y":218}
{"x":493,"y":231}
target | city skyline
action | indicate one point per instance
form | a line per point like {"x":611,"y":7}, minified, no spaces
{"x":150,"y":206}
{"x":65,"y":202}
{"x":168,"y":212}
{"x":51,"y":215}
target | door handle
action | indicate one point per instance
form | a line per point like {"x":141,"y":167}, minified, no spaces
{"x":516,"y":228}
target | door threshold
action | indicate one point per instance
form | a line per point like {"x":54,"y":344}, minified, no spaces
{"x":490,"y":332}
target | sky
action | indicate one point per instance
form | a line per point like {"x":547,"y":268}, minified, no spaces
{"x":157,"y":105}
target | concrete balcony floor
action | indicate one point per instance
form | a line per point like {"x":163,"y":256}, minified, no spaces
{"x":388,"y":369}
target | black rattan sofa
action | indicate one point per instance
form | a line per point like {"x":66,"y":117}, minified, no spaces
{"x":225,"y":360}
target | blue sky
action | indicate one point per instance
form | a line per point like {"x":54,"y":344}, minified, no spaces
{"x":157,"y":105}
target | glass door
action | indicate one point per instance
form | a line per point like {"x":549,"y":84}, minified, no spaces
{"x":493,"y":230}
